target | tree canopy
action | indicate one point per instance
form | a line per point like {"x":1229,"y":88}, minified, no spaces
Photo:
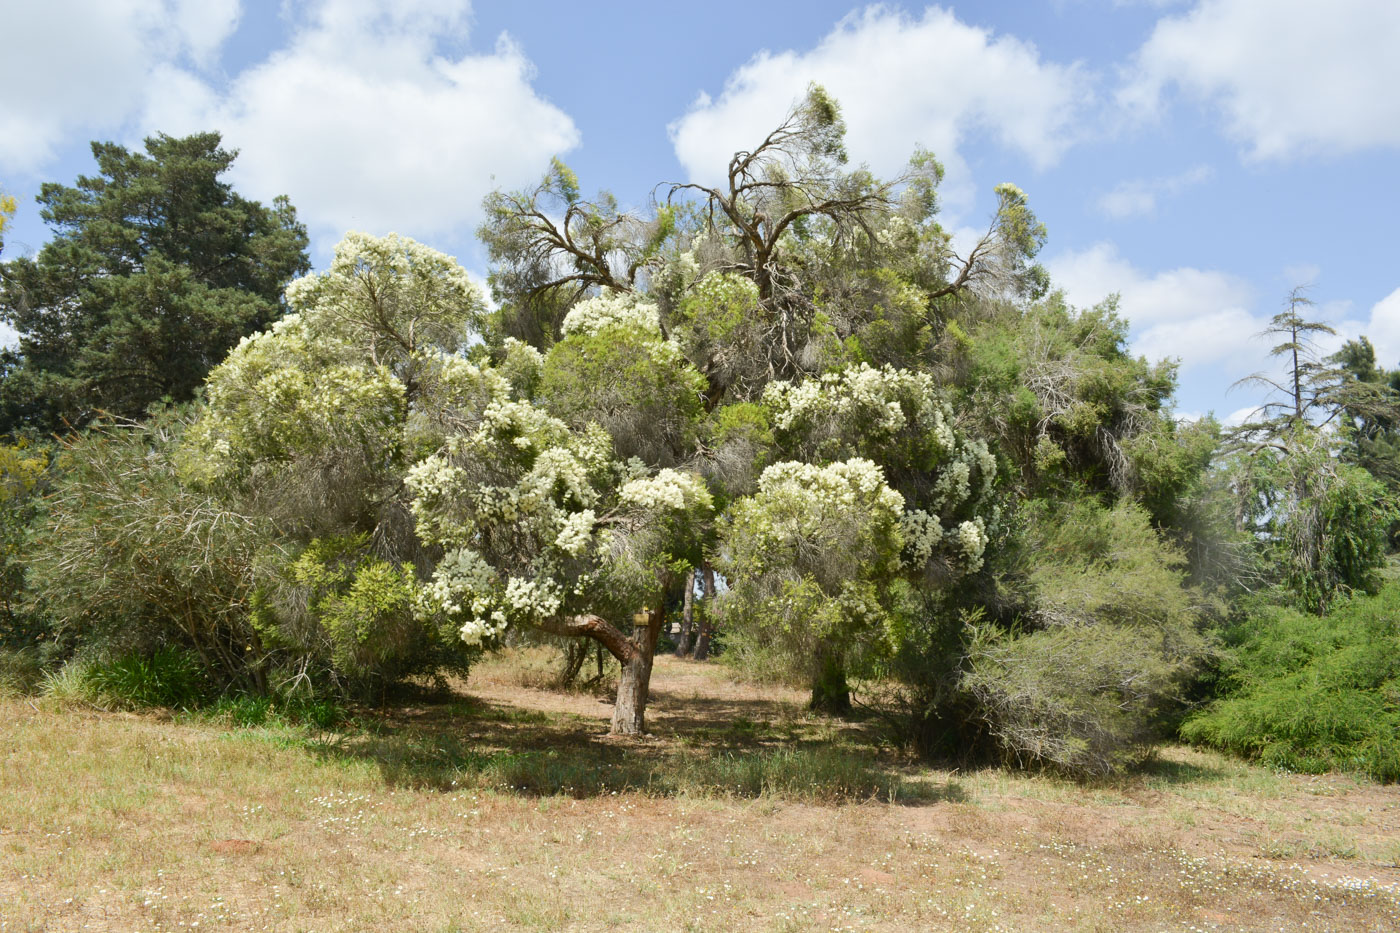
{"x":156,"y":269}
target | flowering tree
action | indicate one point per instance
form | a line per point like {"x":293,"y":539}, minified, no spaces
{"x":882,"y":492}
{"x":541,"y":526}
{"x":313,"y":424}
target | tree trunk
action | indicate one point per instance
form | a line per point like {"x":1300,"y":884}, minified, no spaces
{"x":634,"y":683}
{"x":708,"y":617}
{"x":687,"y":616}
{"x":634,"y":654}
{"x":830,"y":692}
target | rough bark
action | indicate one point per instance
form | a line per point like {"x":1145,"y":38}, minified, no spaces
{"x":634,"y":683}
{"x":634,"y":653}
{"x":687,"y":616}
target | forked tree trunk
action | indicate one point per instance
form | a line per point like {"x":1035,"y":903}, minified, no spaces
{"x":687,"y":616}
{"x":634,"y":683}
{"x":708,"y":617}
{"x":634,"y":653}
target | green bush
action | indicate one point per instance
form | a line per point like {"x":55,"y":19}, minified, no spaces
{"x":342,"y":616}
{"x":1310,"y":693}
{"x":127,"y":559}
{"x":1105,"y":649}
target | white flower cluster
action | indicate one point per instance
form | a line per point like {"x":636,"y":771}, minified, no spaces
{"x":972,"y":539}
{"x":573,"y":537}
{"x":922,"y":534}
{"x":847,"y":484}
{"x":532,"y":599}
{"x":526,"y":427}
{"x":434,"y":483}
{"x":463,"y":587}
{"x":668,"y":489}
{"x":955,"y":484}
{"x":359,"y":256}
{"x":725,"y":292}
{"x":612,"y":309}
{"x":558,"y":476}
{"x":458,"y":384}
{"x":861,"y":398}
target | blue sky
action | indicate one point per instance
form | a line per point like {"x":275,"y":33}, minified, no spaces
{"x":1199,"y":158}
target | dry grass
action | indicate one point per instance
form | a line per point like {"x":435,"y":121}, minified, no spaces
{"x":401,"y":821}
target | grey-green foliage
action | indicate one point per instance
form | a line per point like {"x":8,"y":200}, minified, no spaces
{"x":1107,"y":647}
{"x":128,"y":558}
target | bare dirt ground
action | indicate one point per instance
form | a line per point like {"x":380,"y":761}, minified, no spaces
{"x":505,"y":807}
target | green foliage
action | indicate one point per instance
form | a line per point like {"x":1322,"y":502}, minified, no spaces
{"x":167,"y":677}
{"x":1065,"y":401}
{"x":1320,"y":523}
{"x":811,"y":556}
{"x":127,"y":558}
{"x":156,"y":269}
{"x":635,"y":385}
{"x":24,"y":468}
{"x":1312,"y":693}
{"x":1107,"y":647}
{"x":347,"y":617}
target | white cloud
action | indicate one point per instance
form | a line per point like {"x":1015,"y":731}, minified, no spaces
{"x":363,"y":118}
{"x":932,"y":81}
{"x":1197,"y":316}
{"x":365,"y":124}
{"x":1139,"y":196}
{"x":1240,"y":415}
{"x":86,"y":64}
{"x":1289,"y":76}
{"x":1382,"y":329}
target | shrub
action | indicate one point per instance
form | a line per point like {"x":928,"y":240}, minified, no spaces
{"x":24,"y":470}
{"x":128,"y":559}
{"x":1106,"y":648}
{"x":343,"y":616}
{"x":1310,"y":693}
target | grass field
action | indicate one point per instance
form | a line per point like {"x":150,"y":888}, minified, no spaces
{"x":503,"y":806}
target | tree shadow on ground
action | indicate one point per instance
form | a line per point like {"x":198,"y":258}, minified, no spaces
{"x":466,"y":742}
{"x":1166,"y":771}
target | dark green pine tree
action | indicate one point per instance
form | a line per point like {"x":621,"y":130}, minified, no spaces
{"x":156,"y":269}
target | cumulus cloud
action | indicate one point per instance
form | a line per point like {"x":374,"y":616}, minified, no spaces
{"x":1198,"y":316}
{"x":1139,"y":196}
{"x":364,"y":118}
{"x":87,"y":64}
{"x":365,"y":124}
{"x":902,"y":81}
{"x":1288,"y":76}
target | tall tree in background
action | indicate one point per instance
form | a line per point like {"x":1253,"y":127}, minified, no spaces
{"x":157,"y":268}
{"x":1320,"y":519}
